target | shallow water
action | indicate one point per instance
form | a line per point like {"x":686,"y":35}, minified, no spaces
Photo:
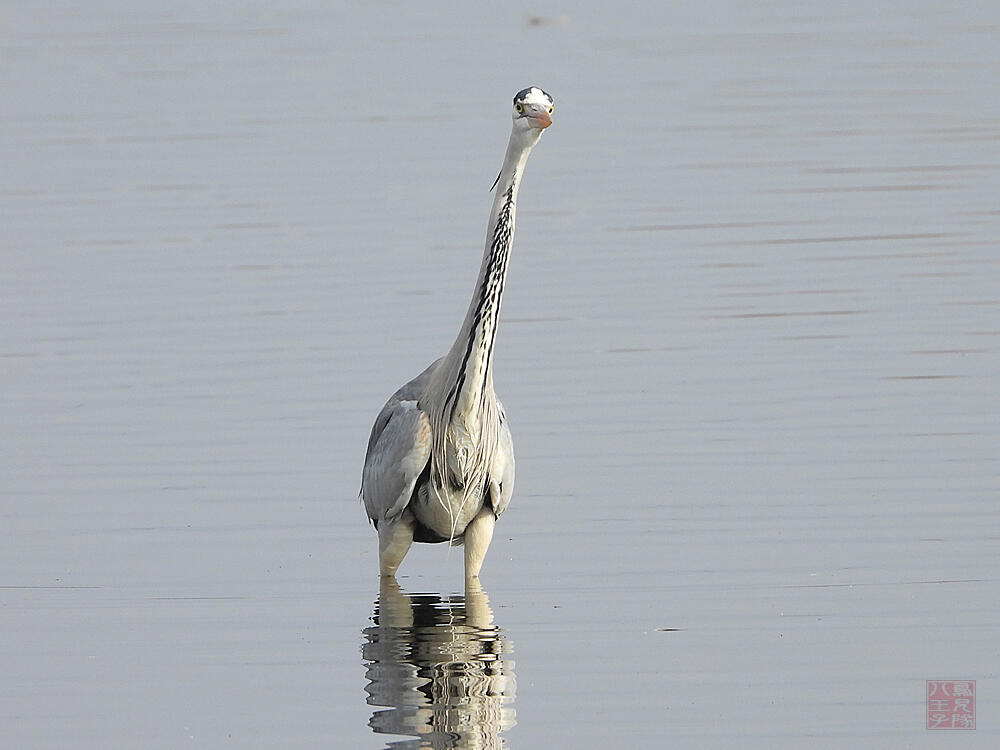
{"x":749,"y":352}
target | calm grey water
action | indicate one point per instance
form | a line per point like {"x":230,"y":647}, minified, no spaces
{"x":749,"y":350}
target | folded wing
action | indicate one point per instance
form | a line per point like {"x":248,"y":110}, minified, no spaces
{"x":398,"y":451}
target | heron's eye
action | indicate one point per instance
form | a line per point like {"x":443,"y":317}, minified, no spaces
{"x":519,"y":108}
{"x":550,"y":110}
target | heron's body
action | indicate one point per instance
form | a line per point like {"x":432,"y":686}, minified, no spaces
{"x":440,"y":461}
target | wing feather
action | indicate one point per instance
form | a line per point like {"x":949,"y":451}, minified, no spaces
{"x":398,"y":450}
{"x":395,"y":461}
{"x":502,"y":475}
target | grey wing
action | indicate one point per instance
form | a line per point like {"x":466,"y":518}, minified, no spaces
{"x":502,"y":475}
{"x":397,"y":443}
{"x":398,"y":451}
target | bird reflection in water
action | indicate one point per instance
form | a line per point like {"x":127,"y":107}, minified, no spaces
{"x":441,"y":667}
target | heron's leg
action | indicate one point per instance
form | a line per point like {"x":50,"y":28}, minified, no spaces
{"x":478,"y":535}
{"x":394,"y":540}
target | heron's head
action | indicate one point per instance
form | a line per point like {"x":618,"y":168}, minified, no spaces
{"x":532,"y":110}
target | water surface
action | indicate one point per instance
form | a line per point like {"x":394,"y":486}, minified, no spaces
{"x":748,"y":350}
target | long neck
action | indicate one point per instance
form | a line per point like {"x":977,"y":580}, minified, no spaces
{"x":468,"y":367}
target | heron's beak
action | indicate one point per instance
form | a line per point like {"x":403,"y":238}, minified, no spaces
{"x":541,"y":120}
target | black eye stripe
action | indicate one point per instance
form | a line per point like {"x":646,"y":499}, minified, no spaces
{"x":520,"y":95}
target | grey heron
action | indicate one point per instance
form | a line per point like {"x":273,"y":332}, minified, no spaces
{"x":440,"y":460}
